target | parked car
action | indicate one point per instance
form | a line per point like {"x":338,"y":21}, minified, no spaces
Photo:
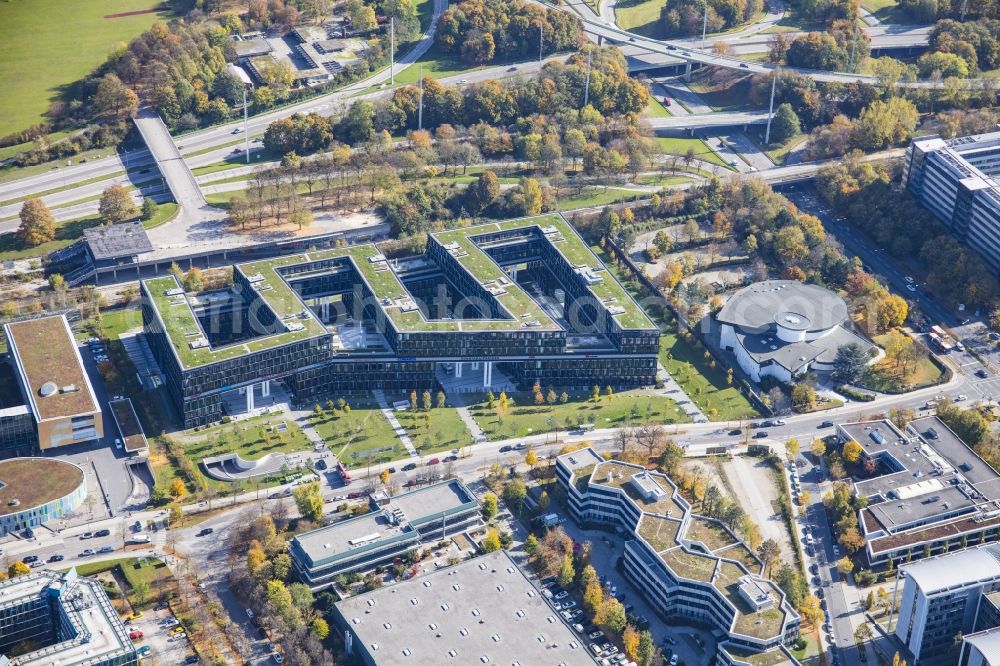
{"x":87,"y":552}
{"x":143,"y":651}
{"x":106,"y":549}
{"x":56,"y":558}
{"x":87,"y":535}
{"x":408,"y":467}
{"x":434,"y":461}
{"x":826,"y":424}
{"x":249,"y":613}
{"x":562,"y":595}
{"x":760,"y":434}
{"x":102,"y":533}
{"x":29,"y":559}
{"x":506,"y":448}
{"x":135,"y":635}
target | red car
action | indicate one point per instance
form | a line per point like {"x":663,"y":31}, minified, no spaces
{"x":135,"y":635}
{"x":433,"y":461}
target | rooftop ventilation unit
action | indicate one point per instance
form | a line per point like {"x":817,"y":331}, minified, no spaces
{"x":198,"y":344}
{"x":256,"y":277}
{"x":176,"y":291}
{"x":294,"y":327}
{"x":69,"y":388}
{"x":616,"y":310}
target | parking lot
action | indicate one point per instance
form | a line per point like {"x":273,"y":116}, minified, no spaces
{"x":164,"y":649}
{"x":693,"y":646}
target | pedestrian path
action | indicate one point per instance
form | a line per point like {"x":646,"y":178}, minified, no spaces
{"x":390,"y":416}
{"x":477,"y":433}
{"x":672,"y":389}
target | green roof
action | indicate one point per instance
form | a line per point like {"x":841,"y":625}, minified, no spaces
{"x":395,"y":300}
{"x":182,"y":326}
{"x":572,"y":247}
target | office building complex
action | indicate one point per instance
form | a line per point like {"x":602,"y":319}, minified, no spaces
{"x":944,"y":596}
{"x":35,"y":490}
{"x":516,"y":301}
{"x":689,"y":567}
{"x":481,"y":611}
{"x":48,"y":617}
{"x":784,"y":329}
{"x":928,"y":492}
{"x":53,"y":384}
{"x":394,"y":526}
{"x":956,"y":180}
{"x":981,"y":648}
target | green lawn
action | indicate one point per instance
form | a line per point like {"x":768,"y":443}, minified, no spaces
{"x":886,"y":11}
{"x":641,"y":17}
{"x":705,"y":385}
{"x":46,"y":45}
{"x":445,"y":429}
{"x":656,"y":108}
{"x":70,"y":231}
{"x":681,"y":145}
{"x":883,"y":377}
{"x":597,"y":196}
{"x":664,"y":181}
{"x":251,"y":438}
{"x":359,"y":434}
{"x":151,"y":572}
{"x":526,"y":418}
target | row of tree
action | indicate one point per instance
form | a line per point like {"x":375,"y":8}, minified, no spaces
{"x":39,"y":226}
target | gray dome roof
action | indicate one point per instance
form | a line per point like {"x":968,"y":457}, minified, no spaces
{"x":791,"y":304}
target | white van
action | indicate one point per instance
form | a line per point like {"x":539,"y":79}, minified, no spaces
{"x":139,"y":538}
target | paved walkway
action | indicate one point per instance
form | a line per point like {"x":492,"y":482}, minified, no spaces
{"x":477,"y":433}
{"x":673,"y":390}
{"x":390,"y":416}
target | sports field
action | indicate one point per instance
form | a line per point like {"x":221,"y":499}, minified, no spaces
{"x":46,"y":45}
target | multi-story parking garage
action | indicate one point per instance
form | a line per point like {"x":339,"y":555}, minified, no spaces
{"x":513,"y":302}
{"x":689,"y":567}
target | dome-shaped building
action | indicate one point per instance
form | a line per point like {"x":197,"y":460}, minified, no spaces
{"x":784,"y":328}
{"x":35,"y":490}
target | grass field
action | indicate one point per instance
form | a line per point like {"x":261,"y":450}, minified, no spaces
{"x":444,"y":431}
{"x":656,"y":108}
{"x":361,"y":433}
{"x":526,"y":418}
{"x":681,"y":145}
{"x":46,"y":45}
{"x":153,"y":573}
{"x":883,"y":377}
{"x":597,"y":196}
{"x":640,"y":16}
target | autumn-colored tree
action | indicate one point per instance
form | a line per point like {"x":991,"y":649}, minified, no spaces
{"x":37,"y":224}
{"x":177,"y":489}
{"x":818,"y":447}
{"x":491,"y":542}
{"x":18,"y":568}
{"x":490,"y":505}
{"x":852,"y":451}
{"x":116,"y":205}
{"x":845,"y":565}
{"x":593,"y":597}
{"x":384,"y":476}
{"x":611,"y":615}
{"x":630,"y":640}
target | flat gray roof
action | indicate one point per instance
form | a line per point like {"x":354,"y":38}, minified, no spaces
{"x":117,"y":240}
{"x":757,"y":305}
{"x":764,"y":347}
{"x":937,"y":475}
{"x":480,"y":608}
{"x":417,"y":506}
{"x":580,"y":459}
{"x":965,"y":461}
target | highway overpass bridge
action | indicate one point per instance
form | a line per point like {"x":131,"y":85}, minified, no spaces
{"x":168,"y":159}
